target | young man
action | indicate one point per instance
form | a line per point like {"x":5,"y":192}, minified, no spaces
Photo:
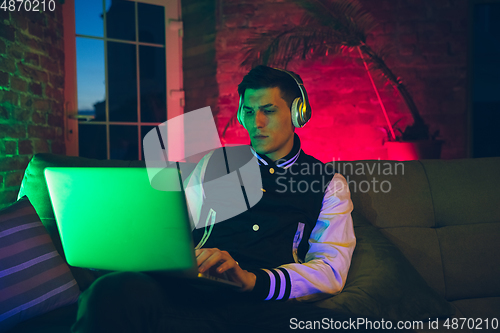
{"x":283,"y":264}
{"x":295,"y":243}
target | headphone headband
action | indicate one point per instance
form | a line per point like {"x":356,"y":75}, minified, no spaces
{"x":300,"y":108}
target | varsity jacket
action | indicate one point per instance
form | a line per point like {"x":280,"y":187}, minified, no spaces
{"x":298,"y":239}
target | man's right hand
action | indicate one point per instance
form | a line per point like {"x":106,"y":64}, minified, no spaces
{"x":222,"y":262}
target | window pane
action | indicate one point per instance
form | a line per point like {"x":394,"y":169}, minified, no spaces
{"x":123,"y":142}
{"x":92,"y":141}
{"x":144,"y":130}
{"x":90,"y":77}
{"x":151,"y":23}
{"x":153,"y":84}
{"x":88,"y":17}
{"x":122,"y":81}
{"x":120,"y":20}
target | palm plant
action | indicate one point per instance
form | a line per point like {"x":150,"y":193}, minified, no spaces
{"x":327,"y":28}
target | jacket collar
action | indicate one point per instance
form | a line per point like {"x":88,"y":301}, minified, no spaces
{"x":284,"y":162}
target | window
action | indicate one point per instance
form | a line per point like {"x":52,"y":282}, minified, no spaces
{"x":123,"y":74}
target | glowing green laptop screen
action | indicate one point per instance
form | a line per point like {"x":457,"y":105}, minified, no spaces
{"x":113,"y":219}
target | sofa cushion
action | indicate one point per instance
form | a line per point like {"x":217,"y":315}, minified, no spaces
{"x":463,"y":191}
{"x":382,"y":283}
{"x":470,"y":260}
{"x":421,"y":247}
{"x":34,"y":279}
{"x":377,"y":187}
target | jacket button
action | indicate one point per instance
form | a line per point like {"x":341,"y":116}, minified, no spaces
{"x":271,"y":171}
{"x":255,"y":227}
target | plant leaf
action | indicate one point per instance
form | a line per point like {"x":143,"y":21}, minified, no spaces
{"x":325,"y":25}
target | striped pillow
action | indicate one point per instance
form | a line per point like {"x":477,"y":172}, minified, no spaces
{"x":34,"y":279}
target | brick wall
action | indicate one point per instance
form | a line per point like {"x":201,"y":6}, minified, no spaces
{"x":426,"y":43}
{"x":31,"y":93}
{"x":199,"y":65}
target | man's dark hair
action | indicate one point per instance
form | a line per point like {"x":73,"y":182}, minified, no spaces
{"x":267,"y":77}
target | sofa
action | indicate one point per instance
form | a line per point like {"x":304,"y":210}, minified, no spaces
{"x":427,"y":250}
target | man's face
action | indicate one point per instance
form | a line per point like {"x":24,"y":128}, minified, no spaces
{"x":268,"y":122}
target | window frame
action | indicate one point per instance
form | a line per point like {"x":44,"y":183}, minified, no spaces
{"x":174,"y":77}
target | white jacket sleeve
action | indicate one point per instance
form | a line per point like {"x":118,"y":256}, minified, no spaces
{"x":327,"y":262}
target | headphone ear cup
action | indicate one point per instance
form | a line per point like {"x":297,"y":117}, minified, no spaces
{"x":295,"y":112}
{"x":301,"y":109}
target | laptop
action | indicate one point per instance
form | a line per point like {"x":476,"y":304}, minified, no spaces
{"x":113,"y":219}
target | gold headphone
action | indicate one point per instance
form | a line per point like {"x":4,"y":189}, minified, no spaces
{"x":300,"y":110}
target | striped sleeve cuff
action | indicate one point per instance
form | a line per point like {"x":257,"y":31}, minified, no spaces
{"x":272,"y":284}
